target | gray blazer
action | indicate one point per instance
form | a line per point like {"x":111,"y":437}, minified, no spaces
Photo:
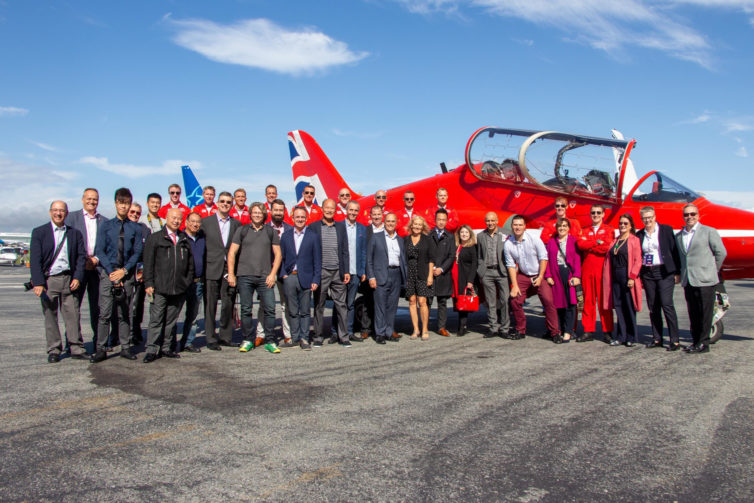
{"x":704,"y":258}
{"x":75,"y":219}
{"x":482,"y":239}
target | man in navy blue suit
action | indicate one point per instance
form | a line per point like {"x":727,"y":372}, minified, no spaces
{"x":301,"y":272}
{"x":57,"y":256}
{"x":386,"y":270}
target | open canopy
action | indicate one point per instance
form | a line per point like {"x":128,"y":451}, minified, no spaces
{"x":560,"y":162}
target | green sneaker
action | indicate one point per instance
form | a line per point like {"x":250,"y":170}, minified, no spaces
{"x":246,"y":346}
{"x":272,"y":347}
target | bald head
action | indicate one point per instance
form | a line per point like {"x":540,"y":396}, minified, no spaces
{"x":174,"y":218}
{"x":58,"y":212}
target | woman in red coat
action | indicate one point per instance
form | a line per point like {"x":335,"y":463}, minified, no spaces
{"x":620,"y":277}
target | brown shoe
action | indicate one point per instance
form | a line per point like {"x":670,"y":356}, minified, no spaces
{"x":396,"y":335}
{"x":443,"y":332}
{"x":365,"y":335}
{"x":258,"y":342}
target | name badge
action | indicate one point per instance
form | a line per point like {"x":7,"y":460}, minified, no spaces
{"x":648,"y":259}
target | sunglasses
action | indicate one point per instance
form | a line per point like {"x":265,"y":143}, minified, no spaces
{"x":344,"y":195}
{"x":560,"y":205}
{"x":224,"y":201}
{"x":134,"y":213}
{"x":309,"y":192}
{"x":380,"y":197}
{"x":408,"y":198}
{"x":172,"y":192}
{"x":596,"y":213}
{"x":686,"y":215}
{"x":624,"y":223}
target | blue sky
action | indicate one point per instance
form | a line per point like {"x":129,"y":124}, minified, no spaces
{"x":121,"y":94}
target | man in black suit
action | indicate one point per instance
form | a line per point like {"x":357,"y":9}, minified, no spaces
{"x":87,"y":222}
{"x":57,"y":269}
{"x":367,"y":299}
{"x":444,"y":258}
{"x":335,"y":273}
{"x":660,"y":271}
{"x":386,"y":270}
{"x":218,"y":232}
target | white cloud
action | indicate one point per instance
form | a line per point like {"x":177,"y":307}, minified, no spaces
{"x":735,"y":199}
{"x":742,"y":152}
{"x":44,"y":146}
{"x":13,"y":112}
{"x":260,"y":43}
{"x":738,"y":124}
{"x":607,"y":25}
{"x":169,"y":167}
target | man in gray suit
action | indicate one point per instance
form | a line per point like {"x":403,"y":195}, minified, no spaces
{"x":87,"y":222}
{"x":218,"y":231}
{"x":493,"y":276}
{"x":702,"y":254}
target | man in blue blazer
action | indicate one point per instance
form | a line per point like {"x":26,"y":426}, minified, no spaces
{"x":386,"y":270}
{"x":301,"y":273}
{"x":357,"y":259}
{"x":335,"y":273}
{"x":56,"y":261}
{"x":87,"y":221}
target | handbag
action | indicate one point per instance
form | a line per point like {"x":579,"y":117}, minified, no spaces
{"x":467,"y":302}
{"x":578,"y":290}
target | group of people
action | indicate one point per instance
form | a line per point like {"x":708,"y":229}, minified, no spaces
{"x":172,"y":255}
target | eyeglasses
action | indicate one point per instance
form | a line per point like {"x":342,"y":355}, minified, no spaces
{"x":624,"y":223}
{"x":560,"y":205}
{"x":687,"y":215}
{"x":134,"y":213}
{"x":224,"y":201}
{"x":408,"y":198}
{"x":596,"y":213}
{"x":309,"y":192}
{"x":344,"y":195}
{"x":173,"y":192}
{"x":380,"y":197}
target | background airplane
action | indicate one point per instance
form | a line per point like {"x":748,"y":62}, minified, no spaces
{"x":516,"y":171}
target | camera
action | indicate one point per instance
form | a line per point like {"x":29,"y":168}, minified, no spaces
{"x":119,"y":293}
{"x":28,"y":286}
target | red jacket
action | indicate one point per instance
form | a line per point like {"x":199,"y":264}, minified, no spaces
{"x":163,"y":213}
{"x":453,"y":223}
{"x":202,"y":210}
{"x":404,"y":219}
{"x":241,"y":215}
{"x":594,"y":254}
{"x":286,"y":217}
{"x":550,"y":230}
{"x":340,"y":213}
{"x":314,"y":212}
{"x":634,"y":267}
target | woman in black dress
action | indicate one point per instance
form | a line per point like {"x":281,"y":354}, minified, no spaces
{"x":420,"y":258}
{"x":464,"y":270}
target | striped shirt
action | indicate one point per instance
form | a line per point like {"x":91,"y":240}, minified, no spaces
{"x":329,"y":247}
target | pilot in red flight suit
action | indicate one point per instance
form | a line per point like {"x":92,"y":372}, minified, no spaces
{"x":270,"y":194}
{"x":549,"y":231}
{"x":208,"y":207}
{"x":442,"y":202}
{"x":240,"y":211}
{"x":341,"y":213}
{"x":175,"y":202}
{"x":314,"y":212}
{"x":594,"y":245}
{"x":404,"y":215}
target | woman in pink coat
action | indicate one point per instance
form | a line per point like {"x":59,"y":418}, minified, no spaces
{"x":621,"y":285}
{"x":563,"y":273}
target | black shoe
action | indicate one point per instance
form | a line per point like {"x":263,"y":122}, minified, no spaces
{"x":607,"y":337}
{"x":517,"y":336}
{"x":673,"y":347}
{"x":379,"y":339}
{"x":393,"y":339}
{"x":126,"y":353}
{"x":507,"y":334}
{"x":287,"y":344}
{"x":80,"y":356}
{"x":305,"y":346}
{"x":99,"y":356}
{"x":490,"y":335}
{"x":701,"y":348}
{"x":53,"y":358}
{"x":333,"y":340}
{"x":613,"y":343}
{"x":655,"y":344}
{"x":346,"y":344}
{"x":230,"y":344}
{"x":585,"y":337}
{"x":170,"y":354}
{"x":629,"y":344}
{"x":192,"y":349}
{"x":557,"y":339}
{"x":355,"y":338}
{"x":213,"y":346}
{"x":150,"y":357}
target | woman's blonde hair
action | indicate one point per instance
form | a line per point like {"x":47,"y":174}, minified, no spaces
{"x":425,"y":226}
{"x":472,"y":239}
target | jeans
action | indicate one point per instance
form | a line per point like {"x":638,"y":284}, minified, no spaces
{"x":247,"y":285}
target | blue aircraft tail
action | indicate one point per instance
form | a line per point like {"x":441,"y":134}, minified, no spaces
{"x":191,"y":187}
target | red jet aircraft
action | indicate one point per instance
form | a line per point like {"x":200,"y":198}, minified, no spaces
{"x":515,"y":171}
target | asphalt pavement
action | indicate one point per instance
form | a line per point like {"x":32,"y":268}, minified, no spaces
{"x":449,"y":419}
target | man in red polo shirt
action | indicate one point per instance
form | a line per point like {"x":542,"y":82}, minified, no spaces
{"x":175,"y":202}
{"x":240,"y":211}
{"x":271,"y":194}
{"x":405,"y":215}
{"x":344,"y":197}
{"x":208,"y":207}
{"x":313,"y":212}
{"x":442,"y":202}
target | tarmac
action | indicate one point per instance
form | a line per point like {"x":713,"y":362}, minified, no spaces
{"x":450,"y":419}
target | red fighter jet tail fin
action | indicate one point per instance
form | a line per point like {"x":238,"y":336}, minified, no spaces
{"x":311,"y":166}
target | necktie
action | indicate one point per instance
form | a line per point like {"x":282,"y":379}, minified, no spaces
{"x":172,"y":237}
{"x":121,"y":243}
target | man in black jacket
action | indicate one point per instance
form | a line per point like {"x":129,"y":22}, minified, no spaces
{"x":445,"y":246}
{"x":168,"y":273}
{"x":660,"y":269}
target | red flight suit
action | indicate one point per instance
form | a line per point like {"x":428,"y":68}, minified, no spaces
{"x":286,"y":217}
{"x":163,"y":213}
{"x":314,"y":212}
{"x":550,"y":230}
{"x":241,"y":215}
{"x":453,"y":223}
{"x":591,"y":276}
{"x":202,"y":210}
{"x":340,"y":213}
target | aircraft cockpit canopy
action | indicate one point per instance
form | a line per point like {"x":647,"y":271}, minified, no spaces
{"x":658,"y":188}
{"x":560,"y":162}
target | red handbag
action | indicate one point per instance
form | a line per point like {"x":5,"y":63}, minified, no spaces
{"x":467,"y":302}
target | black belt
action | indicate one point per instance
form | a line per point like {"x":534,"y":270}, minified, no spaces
{"x":491,"y":267}
{"x":67,"y":271}
{"x":393,"y":267}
